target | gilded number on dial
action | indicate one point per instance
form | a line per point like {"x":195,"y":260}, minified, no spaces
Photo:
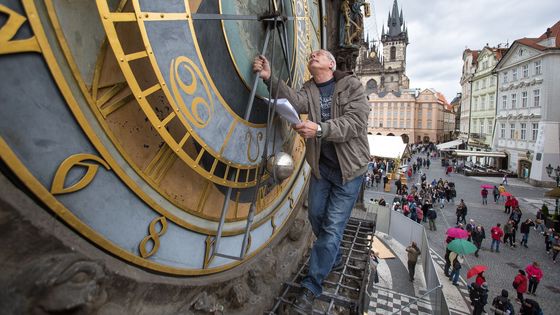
{"x":153,"y":236}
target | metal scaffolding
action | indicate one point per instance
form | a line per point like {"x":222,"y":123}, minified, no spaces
{"x":344,"y":292}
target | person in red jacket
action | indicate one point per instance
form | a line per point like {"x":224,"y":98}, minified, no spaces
{"x":508,"y":205}
{"x":520,"y":285}
{"x":514,"y":203}
{"x":480,"y":279}
{"x":535,"y":274}
{"x":497,"y":234}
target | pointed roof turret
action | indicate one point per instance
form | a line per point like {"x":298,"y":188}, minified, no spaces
{"x":395,"y":22}
{"x":397,"y":27}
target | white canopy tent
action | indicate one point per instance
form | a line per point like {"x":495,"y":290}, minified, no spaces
{"x":494,"y":154}
{"x":390,"y":147}
{"x":449,"y":145}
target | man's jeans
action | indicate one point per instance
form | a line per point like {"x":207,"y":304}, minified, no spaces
{"x":454,"y":277}
{"x":330,"y":206}
{"x":497,"y":243}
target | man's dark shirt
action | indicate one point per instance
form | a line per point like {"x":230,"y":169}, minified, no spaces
{"x":328,"y":152}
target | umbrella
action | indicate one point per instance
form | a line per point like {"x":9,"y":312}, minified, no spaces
{"x":505,"y":193}
{"x":476,"y":270}
{"x":554,"y":193}
{"x":461,"y":247}
{"x":487,"y":186}
{"x":457,"y":233}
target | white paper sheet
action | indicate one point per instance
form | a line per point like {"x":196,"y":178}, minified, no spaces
{"x":286,"y":110}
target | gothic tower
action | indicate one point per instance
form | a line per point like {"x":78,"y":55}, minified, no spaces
{"x":395,"y":40}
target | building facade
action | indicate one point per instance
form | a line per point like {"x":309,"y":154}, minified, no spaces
{"x":470,"y":58}
{"x":456,"y":107}
{"x":483,"y":106}
{"x":416,"y":117}
{"x":528,"y":114}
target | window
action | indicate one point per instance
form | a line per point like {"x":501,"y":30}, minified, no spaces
{"x":483,"y":102}
{"x":492,"y":101}
{"x":524,"y":99}
{"x":525,"y":71}
{"x":476,"y":85}
{"x":513,"y":100}
{"x":512,"y":131}
{"x":419,"y":124}
{"x":504,"y":101}
{"x":485,"y":65}
{"x":502,"y":130}
{"x":536,"y":98}
{"x":393,"y":53}
{"x":429,"y":124}
{"x":505,"y":77}
{"x":475,"y":107}
{"x":489,"y":127}
{"x":514,"y":74}
{"x":538,"y":68}
{"x":481,"y":127}
{"x":523,"y":131}
{"x":535,"y":131}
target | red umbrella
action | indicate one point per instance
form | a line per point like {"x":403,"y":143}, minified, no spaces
{"x":457,"y":233}
{"x":487,"y":186}
{"x":476,"y":270}
{"x":505,"y":193}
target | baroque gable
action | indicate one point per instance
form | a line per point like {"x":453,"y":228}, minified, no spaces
{"x":517,"y":54}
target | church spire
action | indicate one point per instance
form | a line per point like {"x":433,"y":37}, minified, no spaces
{"x":396,"y":26}
{"x":395,"y":21}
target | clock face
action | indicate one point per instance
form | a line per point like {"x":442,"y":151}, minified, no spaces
{"x":131,"y":121}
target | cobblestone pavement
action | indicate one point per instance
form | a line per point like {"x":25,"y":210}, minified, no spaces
{"x":503,"y":266}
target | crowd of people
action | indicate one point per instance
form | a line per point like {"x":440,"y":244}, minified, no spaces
{"x":420,"y":202}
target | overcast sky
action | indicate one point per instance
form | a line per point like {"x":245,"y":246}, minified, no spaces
{"x":440,"y":30}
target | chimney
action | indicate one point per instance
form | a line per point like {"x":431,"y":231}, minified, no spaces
{"x":548,"y":32}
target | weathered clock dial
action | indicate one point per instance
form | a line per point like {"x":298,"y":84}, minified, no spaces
{"x":133,"y":123}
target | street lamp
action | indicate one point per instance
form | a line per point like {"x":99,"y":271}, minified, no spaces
{"x":549,"y":170}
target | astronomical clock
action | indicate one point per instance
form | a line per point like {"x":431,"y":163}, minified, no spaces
{"x":141,"y":126}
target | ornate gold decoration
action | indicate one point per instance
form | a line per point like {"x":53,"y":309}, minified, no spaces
{"x":208,"y":254}
{"x":9,"y":30}
{"x":154,"y":236}
{"x":249,"y":137}
{"x":273,"y":224}
{"x":160,"y":164}
{"x":261,"y":195}
{"x":204,"y":196}
{"x":109,"y":102}
{"x":177,"y":83}
{"x":37,"y":22}
{"x":292,"y":202}
{"x":57,"y":186}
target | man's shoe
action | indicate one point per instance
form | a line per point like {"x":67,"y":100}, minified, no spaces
{"x":303,"y":304}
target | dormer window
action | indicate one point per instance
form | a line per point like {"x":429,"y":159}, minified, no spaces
{"x":520,"y":52}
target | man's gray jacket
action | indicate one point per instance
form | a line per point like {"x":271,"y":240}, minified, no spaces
{"x":347,"y":128}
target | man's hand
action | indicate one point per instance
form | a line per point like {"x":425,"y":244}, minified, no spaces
{"x":306,"y":129}
{"x":262,"y":66}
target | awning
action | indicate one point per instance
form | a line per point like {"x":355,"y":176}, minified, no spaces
{"x":391,"y":147}
{"x":450,"y":144}
{"x":495,"y":154}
